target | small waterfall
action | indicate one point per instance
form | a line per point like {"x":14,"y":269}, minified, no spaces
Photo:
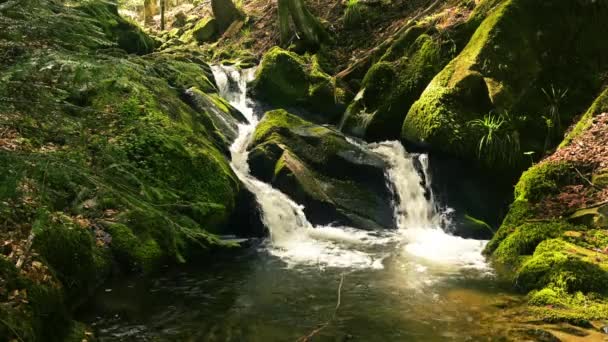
{"x":295,"y":240}
{"x":412,"y":208}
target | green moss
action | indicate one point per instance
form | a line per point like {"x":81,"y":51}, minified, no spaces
{"x":493,"y":73}
{"x":563,"y":265}
{"x":125,"y":33}
{"x":275,"y":120}
{"x":134,"y":251}
{"x":204,"y":31}
{"x":286,"y":79}
{"x":71,"y":252}
{"x":523,"y":241}
{"x":600,"y":105}
{"x":541,"y":180}
{"x":43,"y":317}
{"x":392,"y":85}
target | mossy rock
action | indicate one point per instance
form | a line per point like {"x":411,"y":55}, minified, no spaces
{"x":286,"y":79}
{"x":595,"y":217}
{"x":126,"y":34}
{"x":524,"y":239}
{"x":600,"y":179}
{"x":205,"y":30}
{"x":510,"y":59}
{"x":393,"y":84}
{"x":541,"y":180}
{"x":336,"y":181}
{"x":566,"y":266}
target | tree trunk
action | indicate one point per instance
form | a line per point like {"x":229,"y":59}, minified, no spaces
{"x":225,"y":13}
{"x":163,"y":5}
{"x":306,"y":24}
{"x":284,"y":27}
{"x":149,"y":11}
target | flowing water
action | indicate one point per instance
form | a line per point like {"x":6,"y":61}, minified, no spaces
{"x":413,"y":283}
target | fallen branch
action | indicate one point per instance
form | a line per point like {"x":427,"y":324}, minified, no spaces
{"x":26,"y":251}
{"x":586,"y":179}
{"x":324,"y":325}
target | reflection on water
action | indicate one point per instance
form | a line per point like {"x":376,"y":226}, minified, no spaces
{"x":255,"y":297}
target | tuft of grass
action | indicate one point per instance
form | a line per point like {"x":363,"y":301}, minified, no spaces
{"x":499,"y":142}
{"x":353,"y":16}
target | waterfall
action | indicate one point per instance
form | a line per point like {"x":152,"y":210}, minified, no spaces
{"x":296,"y":241}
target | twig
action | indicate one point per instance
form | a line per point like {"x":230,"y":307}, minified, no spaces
{"x":586,"y":179}
{"x":324,"y":325}
{"x":26,"y":250}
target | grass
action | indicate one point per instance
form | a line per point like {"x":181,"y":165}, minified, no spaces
{"x":353,"y":16}
{"x":499,"y":142}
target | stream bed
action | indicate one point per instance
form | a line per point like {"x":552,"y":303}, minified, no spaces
{"x":311,"y":282}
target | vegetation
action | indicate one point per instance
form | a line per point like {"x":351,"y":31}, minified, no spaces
{"x":499,"y":143}
{"x":115,"y":142}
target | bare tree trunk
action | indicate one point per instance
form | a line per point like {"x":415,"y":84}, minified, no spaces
{"x":163,"y":5}
{"x":225,"y":13}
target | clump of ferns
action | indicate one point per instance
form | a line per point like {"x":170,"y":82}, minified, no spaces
{"x":499,"y":140}
{"x":354,"y":14}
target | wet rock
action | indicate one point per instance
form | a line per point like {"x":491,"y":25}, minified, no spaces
{"x":337,"y":181}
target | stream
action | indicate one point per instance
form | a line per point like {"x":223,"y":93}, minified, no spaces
{"x":325,"y":283}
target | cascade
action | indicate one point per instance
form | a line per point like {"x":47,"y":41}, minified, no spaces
{"x":296,"y":241}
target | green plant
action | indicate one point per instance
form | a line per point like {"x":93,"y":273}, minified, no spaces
{"x":555,"y":97}
{"x":353,"y":15}
{"x":499,"y":142}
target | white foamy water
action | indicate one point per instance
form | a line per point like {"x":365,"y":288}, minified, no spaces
{"x":297,"y":242}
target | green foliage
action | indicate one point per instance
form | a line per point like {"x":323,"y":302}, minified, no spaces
{"x":354,"y":14}
{"x":499,"y":142}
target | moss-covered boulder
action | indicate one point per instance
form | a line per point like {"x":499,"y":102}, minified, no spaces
{"x":109,"y":164}
{"x":392,"y":85}
{"x":534,"y":62}
{"x":127,"y":34}
{"x":337,"y":181}
{"x":204,"y":31}
{"x":285,"y":79}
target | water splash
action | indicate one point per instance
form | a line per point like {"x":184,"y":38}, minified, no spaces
{"x":292,"y":237}
{"x":296,"y":241}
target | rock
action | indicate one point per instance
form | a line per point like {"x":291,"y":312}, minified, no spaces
{"x":205,"y":30}
{"x":337,"y":182}
{"x":604,"y":329}
{"x":393,"y":84}
{"x":600,"y":179}
{"x":509,"y":60}
{"x":224,"y":116}
{"x":285,"y":79}
{"x":180,"y":19}
{"x":596,"y":217}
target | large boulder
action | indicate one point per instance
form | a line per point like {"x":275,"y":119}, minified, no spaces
{"x":337,"y":181}
{"x":534,"y":62}
{"x":285,"y":79}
